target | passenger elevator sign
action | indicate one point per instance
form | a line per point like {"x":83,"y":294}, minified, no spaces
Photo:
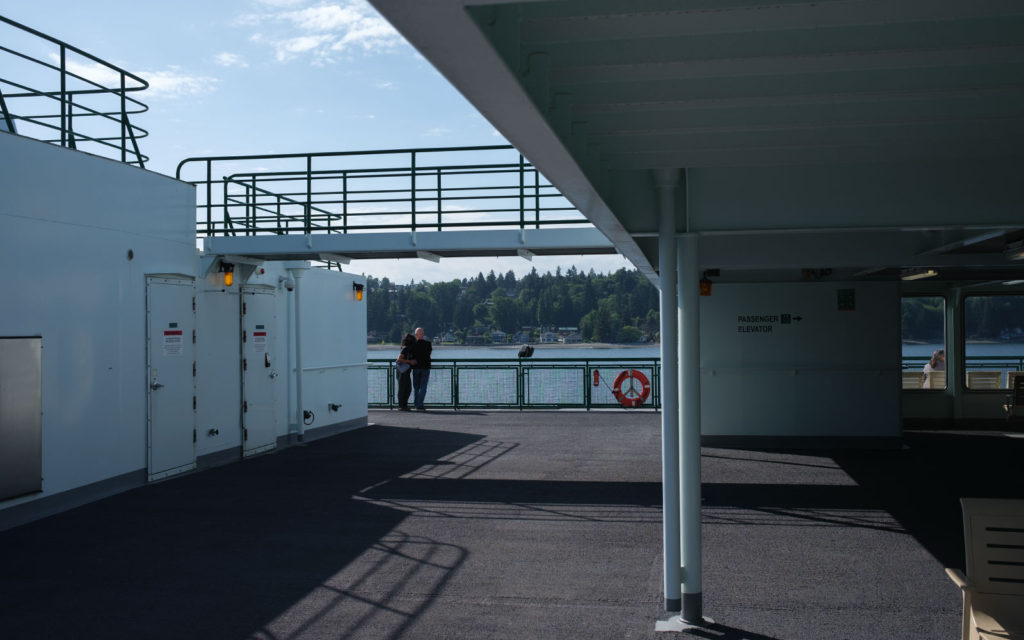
{"x":764,"y":322}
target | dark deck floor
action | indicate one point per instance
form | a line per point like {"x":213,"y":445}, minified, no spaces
{"x":508,"y":525}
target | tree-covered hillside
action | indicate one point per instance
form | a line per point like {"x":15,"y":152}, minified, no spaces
{"x":618,"y":307}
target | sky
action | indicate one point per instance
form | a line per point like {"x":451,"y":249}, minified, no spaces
{"x":234,"y":77}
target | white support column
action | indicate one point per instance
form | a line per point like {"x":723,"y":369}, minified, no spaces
{"x":299,"y":407}
{"x":689,"y":423}
{"x":666,"y":182}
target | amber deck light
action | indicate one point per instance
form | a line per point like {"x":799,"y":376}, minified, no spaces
{"x":358,"y":289}
{"x":229,"y":273}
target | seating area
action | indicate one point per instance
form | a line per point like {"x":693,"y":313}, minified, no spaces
{"x":1015,"y":401}
{"x":993,"y":587}
{"x":984,"y":379}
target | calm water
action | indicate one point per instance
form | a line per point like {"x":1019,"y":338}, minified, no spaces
{"x":654,"y":351}
{"x":973,"y":349}
{"x":540,"y":351}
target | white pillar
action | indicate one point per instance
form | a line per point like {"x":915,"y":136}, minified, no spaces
{"x":689,"y":423}
{"x":300,"y":418}
{"x":666,"y":182}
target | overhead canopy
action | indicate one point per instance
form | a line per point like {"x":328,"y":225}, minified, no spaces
{"x":852,"y":138}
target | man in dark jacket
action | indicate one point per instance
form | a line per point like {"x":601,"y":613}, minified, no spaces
{"x":421,"y":370}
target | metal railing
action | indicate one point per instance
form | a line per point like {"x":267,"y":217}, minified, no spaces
{"x":428,"y":189}
{"x":535,"y":383}
{"x":62,"y":95}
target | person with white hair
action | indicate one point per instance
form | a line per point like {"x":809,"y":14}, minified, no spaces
{"x":421,"y":370}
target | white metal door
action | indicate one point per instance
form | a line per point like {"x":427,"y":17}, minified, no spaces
{"x":170,"y":360}
{"x":259,"y":371}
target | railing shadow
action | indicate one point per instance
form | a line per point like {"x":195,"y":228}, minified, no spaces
{"x":267,"y":546}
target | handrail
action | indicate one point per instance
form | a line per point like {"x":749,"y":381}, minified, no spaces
{"x":344,"y":192}
{"x":87,"y":102}
{"x":518,"y":383}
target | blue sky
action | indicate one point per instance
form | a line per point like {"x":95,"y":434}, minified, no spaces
{"x":234,"y":77}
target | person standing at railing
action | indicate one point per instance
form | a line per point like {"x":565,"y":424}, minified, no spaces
{"x":403,"y":369}
{"x":937,"y":363}
{"x":421,"y":369}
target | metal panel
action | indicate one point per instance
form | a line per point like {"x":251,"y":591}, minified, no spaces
{"x":21,"y":458}
{"x":259,"y":371}
{"x":170,"y":315}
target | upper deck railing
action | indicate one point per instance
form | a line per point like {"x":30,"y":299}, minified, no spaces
{"x":58,"y":93}
{"x":429,"y":189}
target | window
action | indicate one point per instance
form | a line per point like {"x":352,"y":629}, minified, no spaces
{"x":923,"y":327}
{"x":993,"y":340}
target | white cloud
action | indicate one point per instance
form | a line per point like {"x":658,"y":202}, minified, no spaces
{"x":436,"y":132}
{"x":226,"y":59}
{"x":385,"y":84}
{"x":171,"y":83}
{"x":324,"y":18}
{"x":285,"y":50}
{"x":321,"y":31}
{"x":168,"y":83}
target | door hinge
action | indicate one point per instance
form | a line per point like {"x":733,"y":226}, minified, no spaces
{"x":245,"y":364}
{"x":193,"y":368}
{"x":193,"y":336}
{"x":193,"y":403}
{"x":245,"y":406}
{"x":245,"y":335}
{"x":193,"y":436}
{"x":245,"y":433}
{"x":193,"y":303}
{"x":244,"y":309}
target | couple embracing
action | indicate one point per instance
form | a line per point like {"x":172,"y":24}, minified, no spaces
{"x":413,"y":370}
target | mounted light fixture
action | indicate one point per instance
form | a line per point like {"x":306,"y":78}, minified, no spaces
{"x":917,"y":274}
{"x":358,"y":288}
{"x":228,"y":270}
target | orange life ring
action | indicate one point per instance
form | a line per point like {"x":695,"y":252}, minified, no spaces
{"x":631,"y":397}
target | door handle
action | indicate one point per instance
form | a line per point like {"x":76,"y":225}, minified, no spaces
{"x":155,"y":386}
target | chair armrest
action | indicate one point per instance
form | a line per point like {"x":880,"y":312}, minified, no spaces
{"x":959,"y":579}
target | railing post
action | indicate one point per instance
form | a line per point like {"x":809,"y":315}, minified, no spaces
{"x":344,"y":202}
{"x":251,"y":222}
{"x":455,"y":385}
{"x":412,"y":178}
{"x":522,"y":192}
{"x":309,"y":194}
{"x":209,"y":198}
{"x":439,"y":199}
{"x":280,"y":226}
{"x":63,"y":99}
{"x":520,"y":384}
{"x":124,"y":123}
{"x":71,"y":125}
{"x":536,"y":197}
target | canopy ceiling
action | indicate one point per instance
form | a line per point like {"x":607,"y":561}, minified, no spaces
{"x":851,"y":138}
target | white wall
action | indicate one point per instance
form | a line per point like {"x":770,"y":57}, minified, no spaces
{"x":334,"y":347}
{"x":831,"y":373}
{"x":67,"y":222}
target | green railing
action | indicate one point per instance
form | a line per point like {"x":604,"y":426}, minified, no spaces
{"x":534,"y":383}
{"x":428,"y":189}
{"x":63,"y":95}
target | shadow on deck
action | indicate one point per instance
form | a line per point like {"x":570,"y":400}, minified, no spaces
{"x":508,"y":525}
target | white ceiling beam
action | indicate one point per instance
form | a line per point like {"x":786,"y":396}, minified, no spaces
{"x":426,"y":255}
